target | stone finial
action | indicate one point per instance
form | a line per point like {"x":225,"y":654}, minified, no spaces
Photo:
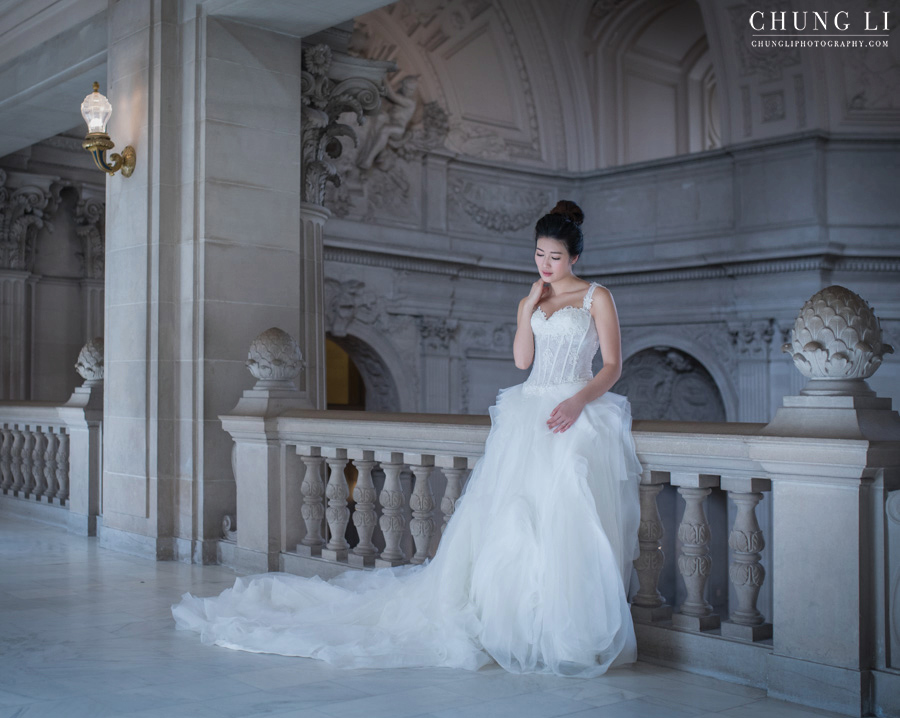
{"x":90,"y":362}
{"x":837,"y":336}
{"x":275,"y":359}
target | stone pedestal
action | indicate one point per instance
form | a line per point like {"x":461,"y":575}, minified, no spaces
{"x":83,"y":414}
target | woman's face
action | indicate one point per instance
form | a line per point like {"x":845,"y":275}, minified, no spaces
{"x":552,"y":259}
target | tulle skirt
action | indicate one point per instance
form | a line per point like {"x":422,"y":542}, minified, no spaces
{"x":532,"y":570}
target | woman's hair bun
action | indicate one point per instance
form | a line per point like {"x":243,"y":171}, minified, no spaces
{"x":570,"y":210}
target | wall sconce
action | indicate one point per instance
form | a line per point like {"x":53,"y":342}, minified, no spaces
{"x":96,"y":111}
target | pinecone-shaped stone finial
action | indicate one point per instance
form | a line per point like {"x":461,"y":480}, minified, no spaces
{"x":275,"y":359}
{"x":90,"y":362}
{"x":837,"y":336}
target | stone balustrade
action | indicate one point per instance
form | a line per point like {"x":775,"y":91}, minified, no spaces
{"x":34,"y":454}
{"x":51,"y":454}
{"x":828,"y":463}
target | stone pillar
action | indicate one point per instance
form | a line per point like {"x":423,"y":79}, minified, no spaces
{"x":266,"y":472}
{"x":26,"y":203}
{"x":752,"y":340}
{"x":437,"y":335}
{"x":15,"y":335}
{"x":207,"y":233}
{"x":83,"y":414}
{"x":833,"y":468}
{"x":312,"y":289}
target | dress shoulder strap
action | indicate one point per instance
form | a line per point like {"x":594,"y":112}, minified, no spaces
{"x":589,"y":296}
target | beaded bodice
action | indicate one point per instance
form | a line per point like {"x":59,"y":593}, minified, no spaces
{"x":564,"y":345}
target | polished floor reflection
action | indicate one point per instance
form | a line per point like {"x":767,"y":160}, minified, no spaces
{"x":87,"y":632}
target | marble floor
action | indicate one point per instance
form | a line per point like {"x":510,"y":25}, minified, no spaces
{"x":87,"y":632}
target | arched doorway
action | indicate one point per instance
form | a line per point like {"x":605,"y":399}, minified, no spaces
{"x":663,"y":383}
{"x":345,"y":388}
{"x":360,"y":375}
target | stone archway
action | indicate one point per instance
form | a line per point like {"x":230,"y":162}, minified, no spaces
{"x":664,"y":383}
{"x":380,"y":388}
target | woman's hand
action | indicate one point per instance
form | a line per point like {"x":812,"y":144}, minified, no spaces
{"x":565,"y":414}
{"x":539,"y":291}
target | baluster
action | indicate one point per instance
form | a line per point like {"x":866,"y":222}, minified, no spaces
{"x":52,"y":487}
{"x":421,"y":501}
{"x":365,"y":517}
{"x":648,"y":604}
{"x":746,"y":573}
{"x":6,"y":475}
{"x":62,"y":468}
{"x":392,"y":522}
{"x":695,"y":563}
{"x":454,"y":469}
{"x":27,"y":460}
{"x":313,"y":510}
{"x":337,"y":514}
{"x":15,"y":460}
{"x":37,"y":462}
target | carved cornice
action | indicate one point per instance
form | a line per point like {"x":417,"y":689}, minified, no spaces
{"x":514,"y":275}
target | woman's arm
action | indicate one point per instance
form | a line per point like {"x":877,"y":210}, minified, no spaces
{"x":603,"y":312}
{"x":523,"y":344}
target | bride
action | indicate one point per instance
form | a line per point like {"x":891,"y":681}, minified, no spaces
{"x":533,"y":568}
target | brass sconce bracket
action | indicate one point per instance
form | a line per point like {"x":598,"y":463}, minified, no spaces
{"x":97,"y":143}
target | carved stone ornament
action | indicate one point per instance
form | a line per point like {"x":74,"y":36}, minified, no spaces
{"x":22,"y":214}
{"x":496,"y":207}
{"x":837,"y":336}
{"x":90,"y":362}
{"x":324,"y":101}
{"x":89,"y":215}
{"x":275,"y":359}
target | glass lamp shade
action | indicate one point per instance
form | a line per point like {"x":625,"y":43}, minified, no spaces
{"x":96,"y":110}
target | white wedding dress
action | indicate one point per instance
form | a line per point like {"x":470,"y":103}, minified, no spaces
{"x":531,"y":572}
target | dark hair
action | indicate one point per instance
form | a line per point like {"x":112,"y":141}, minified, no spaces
{"x":563,"y":222}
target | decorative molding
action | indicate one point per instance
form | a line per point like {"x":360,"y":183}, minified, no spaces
{"x":437,"y":332}
{"x":752,"y":339}
{"x":347,"y":302}
{"x":772,"y":106}
{"x":766,"y":62}
{"x":497,"y":207}
{"x":513,"y":275}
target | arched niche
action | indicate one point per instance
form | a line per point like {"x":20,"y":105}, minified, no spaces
{"x":665,"y":383}
{"x":381,"y":389}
